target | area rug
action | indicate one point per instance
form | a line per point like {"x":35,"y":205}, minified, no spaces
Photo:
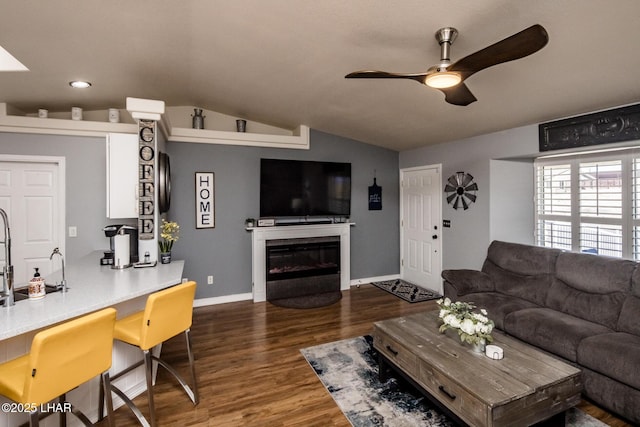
{"x":309,"y":301}
{"x":349,"y":371}
{"x":406,"y":290}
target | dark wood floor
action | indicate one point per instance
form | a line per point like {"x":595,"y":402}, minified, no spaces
{"x":250,"y":369}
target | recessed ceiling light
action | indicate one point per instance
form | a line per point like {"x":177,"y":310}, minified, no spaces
{"x":79,"y":84}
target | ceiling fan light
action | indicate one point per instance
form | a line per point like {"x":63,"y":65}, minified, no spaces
{"x":443,"y":79}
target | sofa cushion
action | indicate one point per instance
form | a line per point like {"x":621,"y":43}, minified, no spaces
{"x":521,"y":271}
{"x":497,"y":305}
{"x":600,"y":308}
{"x":467,"y":281}
{"x":522,"y":259}
{"x":551,"y":330}
{"x":595,"y":274}
{"x":635,"y":281}
{"x":532,"y":288}
{"x":614,"y":355}
{"x":629,"y":320}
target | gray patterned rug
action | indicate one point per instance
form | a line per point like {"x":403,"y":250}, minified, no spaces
{"x":406,"y":290}
{"x":349,"y":371}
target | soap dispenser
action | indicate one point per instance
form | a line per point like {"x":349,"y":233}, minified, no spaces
{"x":37,"y":287}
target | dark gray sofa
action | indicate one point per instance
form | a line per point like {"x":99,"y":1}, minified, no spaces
{"x":582,"y":308}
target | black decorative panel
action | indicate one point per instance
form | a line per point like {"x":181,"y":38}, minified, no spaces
{"x":604,"y":127}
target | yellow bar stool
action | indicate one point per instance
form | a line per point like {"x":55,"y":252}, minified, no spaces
{"x":61,"y":358}
{"x":167,"y":313}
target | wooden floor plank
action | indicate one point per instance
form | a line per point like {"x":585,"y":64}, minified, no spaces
{"x":250,"y":369}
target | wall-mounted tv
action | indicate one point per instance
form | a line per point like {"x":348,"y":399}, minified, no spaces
{"x":298,"y":188}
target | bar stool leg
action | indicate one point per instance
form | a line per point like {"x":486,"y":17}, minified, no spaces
{"x":106,"y":391}
{"x":103,"y":392}
{"x":148,"y":365}
{"x":196,"y":397}
{"x":105,"y":396}
{"x":63,"y":414}
{"x":34,"y":419}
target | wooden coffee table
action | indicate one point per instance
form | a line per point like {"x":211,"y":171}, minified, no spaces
{"x":526,"y":387}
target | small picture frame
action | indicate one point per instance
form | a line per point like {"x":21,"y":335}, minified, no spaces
{"x":205,"y":200}
{"x":375,"y":197}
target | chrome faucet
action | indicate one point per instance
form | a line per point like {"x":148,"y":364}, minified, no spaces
{"x":63,"y":283}
{"x":7,"y":294}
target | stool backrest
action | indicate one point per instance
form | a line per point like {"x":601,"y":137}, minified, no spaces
{"x":166,"y":314}
{"x":67,"y":355}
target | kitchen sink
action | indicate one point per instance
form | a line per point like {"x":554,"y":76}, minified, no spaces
{"x":23,"y":293}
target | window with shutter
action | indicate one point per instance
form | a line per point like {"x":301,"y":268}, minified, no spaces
{"x":589,"y":203}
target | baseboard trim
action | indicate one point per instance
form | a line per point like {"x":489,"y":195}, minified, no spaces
{"x":365,"y":280}
{"x":203,"y":302}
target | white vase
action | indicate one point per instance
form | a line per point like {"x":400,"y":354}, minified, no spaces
{"x":479,"y":346}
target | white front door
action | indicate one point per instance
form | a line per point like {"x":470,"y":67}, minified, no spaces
{"x":30,"y":194}
{"x":420,"y":227}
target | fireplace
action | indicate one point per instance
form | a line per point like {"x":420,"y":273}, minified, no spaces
{"x":302,"y":266}
{"x":262,"y":235}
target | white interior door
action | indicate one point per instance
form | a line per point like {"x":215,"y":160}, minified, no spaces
{"x":420,"y":228}
{"x":31,"y":194}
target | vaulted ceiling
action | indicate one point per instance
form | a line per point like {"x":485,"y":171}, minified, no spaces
{"x":283,"y":62}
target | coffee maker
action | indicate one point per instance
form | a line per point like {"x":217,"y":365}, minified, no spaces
{"x":113,"y":230}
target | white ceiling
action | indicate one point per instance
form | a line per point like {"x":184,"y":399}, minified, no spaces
{"x":282,"y":62}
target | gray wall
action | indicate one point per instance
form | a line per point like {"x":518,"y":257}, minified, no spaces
{"x":501,"y":165}
{"x":85,"y":183}
{"x":225,"y":251}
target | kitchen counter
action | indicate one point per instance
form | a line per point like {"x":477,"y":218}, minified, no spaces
{"x":91,"y":287}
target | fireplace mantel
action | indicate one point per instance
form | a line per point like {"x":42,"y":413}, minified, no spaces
{"x":260,"y":235}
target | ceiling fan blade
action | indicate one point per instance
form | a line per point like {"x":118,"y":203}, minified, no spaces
{"x":371,"y":74}
{"x":458,"y":95}
{"x":450,"y":197}
{"x":517,"y":46}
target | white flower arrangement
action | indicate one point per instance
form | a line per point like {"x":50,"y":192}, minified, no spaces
{"x":472,"y":327}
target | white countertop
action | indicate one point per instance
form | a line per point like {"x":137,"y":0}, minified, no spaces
{"x":91,"y":287}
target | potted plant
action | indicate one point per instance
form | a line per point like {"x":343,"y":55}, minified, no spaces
{"x":169,"y":233}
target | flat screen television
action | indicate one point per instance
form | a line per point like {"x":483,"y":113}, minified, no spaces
{"x":299,"y":188}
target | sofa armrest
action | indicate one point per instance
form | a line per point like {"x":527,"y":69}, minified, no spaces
{"x":468,"y":281}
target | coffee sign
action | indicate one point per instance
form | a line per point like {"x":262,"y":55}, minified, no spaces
{"x":146,"y":179}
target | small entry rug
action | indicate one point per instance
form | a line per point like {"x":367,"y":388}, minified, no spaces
{"x":406,"y":290}
{"x":349,"y":371}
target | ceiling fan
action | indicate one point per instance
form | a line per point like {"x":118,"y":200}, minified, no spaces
{"x":449,"y":78}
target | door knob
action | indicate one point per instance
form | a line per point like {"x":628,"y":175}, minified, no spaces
{"x":435,"y":236}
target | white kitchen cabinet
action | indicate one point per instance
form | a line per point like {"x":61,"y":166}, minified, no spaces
{"x":122,"y":175}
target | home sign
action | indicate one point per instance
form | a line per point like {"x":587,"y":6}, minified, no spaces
{"x":205,"y":203}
